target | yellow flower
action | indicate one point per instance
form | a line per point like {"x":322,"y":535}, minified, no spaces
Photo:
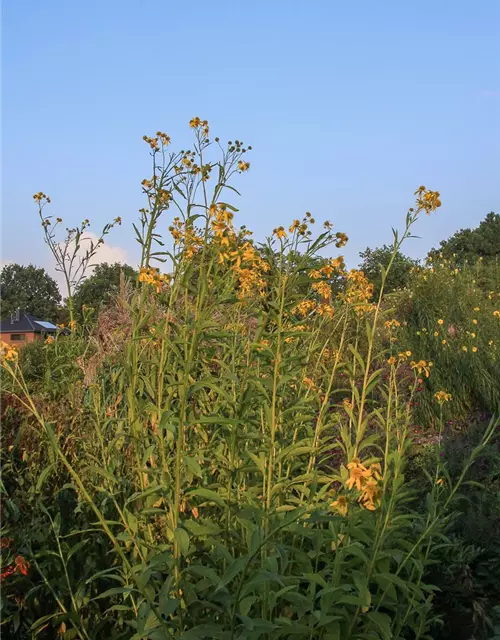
{"x":376,"y":470}
{"x":370,"y":493}
{"x":427,"y":200}
{"x":443,"y":341}
{"x":440,"y":321}
{"x":305,"y":307}
{"x":341,"y":239}
{"x":476,"y":309}
{"x":496,"y":313}
{"x":324,"y":309}
{"x":422,"y":367}
{"x":280,"y":232}
{"x":442,"y":396}
{"x":357,"y":473}
{"x":474,"y":321}
{"x":49,"y":339}
{"x":295,"y":225}
{"x":152,"y":277}
{"x":323,"y":289}
{"x":243,"y":166}
{"x":347,"y":404}
{"x":8,"y":353}
{"x":153,"y":142}
{"x":391,"y":323}
{"x":474,"y":349}
{"x":392,"y":361}
{"x":464,"y":349}
{"x":194,"y":122}
{"x":340,"y":505}
{"x":309,"y":383}
{"x":436,"y":333}
{"x":440,"y":482}
{"x":38,"y":197}
{"x":163,"y":137}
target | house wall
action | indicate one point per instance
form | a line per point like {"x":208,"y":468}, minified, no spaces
{"x":29,"y":336}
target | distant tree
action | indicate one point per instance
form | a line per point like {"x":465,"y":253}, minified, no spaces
{"x":471,"y":244}
{"x":399,"y":274}
{"x":31,"y":289}
{"x":98,"y":288}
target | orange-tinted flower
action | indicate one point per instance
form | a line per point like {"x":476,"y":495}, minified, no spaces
{"x":357,"y":472}
{"x":442,"y":396}
{"x":340,"y":505}
{"x":22,"y":565}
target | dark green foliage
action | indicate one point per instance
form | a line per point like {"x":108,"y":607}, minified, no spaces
{"x":468,"y":569}
{"x":102,"y":285}
{"x":399,"y":274}
{"x":31,"y":289}
{"x":448,"y":318}
{"x":306,"y":264}
{"x":467,"y":245}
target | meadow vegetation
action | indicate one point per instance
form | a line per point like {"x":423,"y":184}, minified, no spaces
{"x":252,"y":441}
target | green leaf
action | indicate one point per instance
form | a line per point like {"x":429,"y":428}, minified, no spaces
{"x":131,"y":521}
{"x":202,"y":632}
{"x":193,"y":465}
{"x":113,"y":592}
{"x":355,"y":600}
{"x":246,"y":604}
{"x":102,"y":472}
{"x":202,"y":529}
{"x":361,"y":582}
{"x":181,"y":537}
{"x":233,"y":570}
{"x":43,"y":476}
{"x":316,"y":578}
{"x":208,"y":494}
{"x":75,"y":549}
{"x":382,"y":621}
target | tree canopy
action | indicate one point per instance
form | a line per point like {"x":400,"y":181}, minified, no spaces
{"x":374,"y":259}
{"x":471,"y":244}
{"x":29,"y":288}
{"x":98,"y":288}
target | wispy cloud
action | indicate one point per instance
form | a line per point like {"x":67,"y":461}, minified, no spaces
{"x":491,"y":93}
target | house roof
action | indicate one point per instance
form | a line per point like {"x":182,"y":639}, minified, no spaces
{"x":22,"y":322}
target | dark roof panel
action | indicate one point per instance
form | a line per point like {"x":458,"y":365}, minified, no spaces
{"x":25,"y":323}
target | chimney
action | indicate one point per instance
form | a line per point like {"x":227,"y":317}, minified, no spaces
{"x":18,"y":314}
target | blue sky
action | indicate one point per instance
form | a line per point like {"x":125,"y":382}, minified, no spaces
{"x":349,"y":106}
